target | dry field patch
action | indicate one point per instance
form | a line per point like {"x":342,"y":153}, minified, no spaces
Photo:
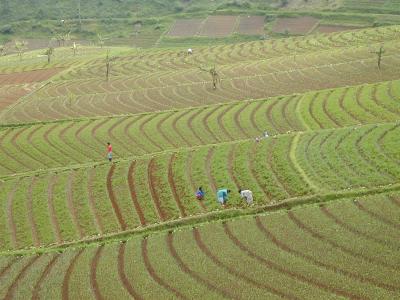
{"x":333,"y":28}
{"x":251,"y":25}
{"x":28,"y":77}
{"x":219,"y":26}
{"x":186,"y":28}
{"x":301,"y":25}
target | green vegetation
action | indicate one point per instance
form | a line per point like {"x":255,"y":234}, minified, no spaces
{"x":309,"y":124}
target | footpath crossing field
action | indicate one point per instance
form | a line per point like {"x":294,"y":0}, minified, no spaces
{"x":326,"y":212}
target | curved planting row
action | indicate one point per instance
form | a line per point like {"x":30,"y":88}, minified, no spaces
{"x":225,"y":54}
{"x":133,"y":81}
{"x":326,"y":247}
{"x":75,"y":142}
{"x":75,"y":204}
{"x":201,"y":93}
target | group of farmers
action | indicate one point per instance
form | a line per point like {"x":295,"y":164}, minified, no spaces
{"x":222,"y":194}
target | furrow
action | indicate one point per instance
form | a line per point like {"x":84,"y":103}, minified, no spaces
{"x":132,"y":191}
{"x":68,"y":273}
{"x":11,"y":289}
{"x":52,"y":211}
{"x":92,"y":201}
{"x":113,"y":199}
{"x":172,"y":185}
{"x":194,"y":274}
{"x":43,"y":276}
{"x":31,"y":218}
{"x":334,"y":244}
{"x":10,"y":216}
{"x":231,"y":270}
{"x":70,"y":204}
{"x":288,"y":272}
{"x":155,"y":276}
{"x":285,"y":247}
{"x":152,"y":183}
{"x":122,"y":275}
{"x":375,"y":215}
{"x":93,"y":269}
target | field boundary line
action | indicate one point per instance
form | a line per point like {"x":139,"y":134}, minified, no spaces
{"x":292,"y":156}
{"x":212,"y":216}
{"x":169,"y":151}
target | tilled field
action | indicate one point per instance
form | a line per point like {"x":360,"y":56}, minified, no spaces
{"x":325,"y":218}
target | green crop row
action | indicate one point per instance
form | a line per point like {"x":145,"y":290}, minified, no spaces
{"x":42,"y":146}
{"x":331,"y":251}
{"x":83,"y":202}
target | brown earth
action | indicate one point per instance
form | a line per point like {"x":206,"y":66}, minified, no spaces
{"x":251,"y":25}
{"x":219,"y":26}
{"x":333,"y":28}
{"x":186,"y":28}
{"x":301,"y":25}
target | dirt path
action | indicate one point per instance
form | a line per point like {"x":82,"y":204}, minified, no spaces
{"x":172,"y":185}
{"x":52,"y":211}
{"x":113,"y":199}
{"x":122,"y":275}
{"x":68,"y":273}
{"x":131,"y":184}
{"x":237,"y":120}
{"x":154,"y":275}
{"x":93,"y":269}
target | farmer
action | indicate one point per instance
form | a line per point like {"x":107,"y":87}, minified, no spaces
{"x":247,"y":195}
{"x":222,"y":196}
{"x":109,"y":152}
{"x":190,"y":51}
{"x":200,"y":193}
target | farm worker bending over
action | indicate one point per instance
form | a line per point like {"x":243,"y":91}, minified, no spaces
{"x":247,"y":195}
{"x":109,"y":151}
{"x":222,"y":196}
{"x":200,"y":194}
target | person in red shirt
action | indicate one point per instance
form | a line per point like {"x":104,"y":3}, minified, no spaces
{"x":109,"y":151}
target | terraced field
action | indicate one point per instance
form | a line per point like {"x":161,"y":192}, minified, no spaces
{"x":325,"y":181}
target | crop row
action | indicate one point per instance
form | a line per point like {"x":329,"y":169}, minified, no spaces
{"x":33,"y":147}
{"x":64,"y":206}
{"x":323,"y":252}
{"x":149,"y":61}
{"x":197,"y":94}
{"x":172,"y":77}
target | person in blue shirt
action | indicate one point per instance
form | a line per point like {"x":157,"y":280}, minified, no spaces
{"x":200,"y":194}
{"x":222,"y":196}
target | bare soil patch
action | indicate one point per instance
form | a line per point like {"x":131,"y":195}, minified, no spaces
{"x":251,"y":25}
{"x":301,"y":25}
{"x":334,"y":28}
{"x":219,"y":26}
{"x":28,"y":77}
{"x":11,"y":94}
{"x":186,"y":28}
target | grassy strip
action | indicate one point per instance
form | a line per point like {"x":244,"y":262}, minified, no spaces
{"x":215,"y":216}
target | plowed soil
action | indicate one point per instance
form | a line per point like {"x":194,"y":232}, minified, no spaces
{"x":301,"y":25}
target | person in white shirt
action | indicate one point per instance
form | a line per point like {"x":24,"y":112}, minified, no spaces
{"x":247,"y":195}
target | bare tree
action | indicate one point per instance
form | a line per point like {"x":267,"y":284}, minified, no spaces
{"x":49,"y":52}
{"x":20,"y":46}
{"x":108,"y":64}
{"x":379,"y":54}
{"x":100,"y":40}
{"x":2,"y":50}
{"x":214,"y":76}
{"x":74,"y":48}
